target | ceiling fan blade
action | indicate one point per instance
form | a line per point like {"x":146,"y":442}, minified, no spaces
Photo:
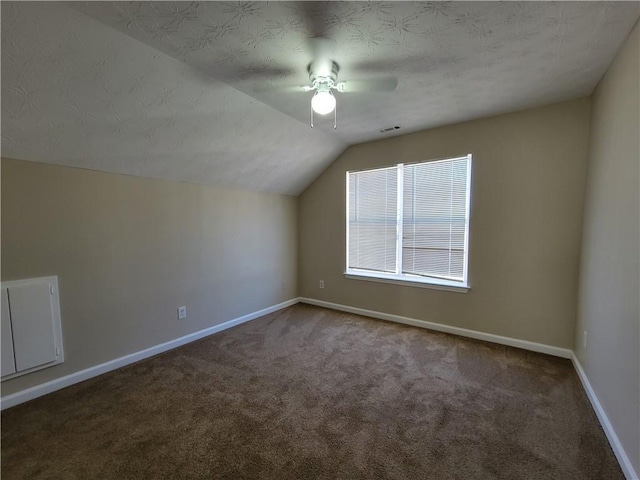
{"x":386,"y":84}
{"x":421,"y":64}
{"x":283,"y":89}
{"x":262,"y":72}
{"x":315,"y":16}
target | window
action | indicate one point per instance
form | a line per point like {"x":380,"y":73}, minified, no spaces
{"x":410,"y":223}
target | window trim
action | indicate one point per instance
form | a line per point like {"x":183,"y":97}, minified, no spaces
{"x":407,"y":280}
{"x":403,"y":278}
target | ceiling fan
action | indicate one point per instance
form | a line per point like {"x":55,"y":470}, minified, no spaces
{"x":323,"y":75}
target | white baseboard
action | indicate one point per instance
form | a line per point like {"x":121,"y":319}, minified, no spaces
{"x":76,"y":377}
{"x":463,"y":332}
{"x":621,"y":455}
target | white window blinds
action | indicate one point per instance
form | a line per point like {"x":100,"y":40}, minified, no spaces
{"x":410,"y":221}
{"x":435,"y":219}
{"x":373,"y":219}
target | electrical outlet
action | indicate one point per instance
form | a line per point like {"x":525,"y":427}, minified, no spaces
{"x":584,"y":340}
{"x":284,"y":286}
{"x":321,"y":283}
{"x":182,"y":313}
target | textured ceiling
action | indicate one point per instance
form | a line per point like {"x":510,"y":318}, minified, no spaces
{"x":76,"y":92}
{"x":198,"y":91}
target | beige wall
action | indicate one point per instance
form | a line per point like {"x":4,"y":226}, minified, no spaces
{"x":608,"y":307}
{"x":526,"y":222}
{"x":128,"y":251}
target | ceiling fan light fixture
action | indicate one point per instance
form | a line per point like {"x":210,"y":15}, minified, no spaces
{"x":323,"y":102}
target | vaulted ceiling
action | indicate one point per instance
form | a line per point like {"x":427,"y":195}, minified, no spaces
{"x":205,"y":91}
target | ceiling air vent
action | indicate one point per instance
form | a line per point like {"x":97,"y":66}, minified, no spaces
{"x":389,"y":129}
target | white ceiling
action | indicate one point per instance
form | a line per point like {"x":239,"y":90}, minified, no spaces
{"x":198,"y":91}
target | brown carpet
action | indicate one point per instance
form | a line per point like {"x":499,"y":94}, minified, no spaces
{"x":309,"y":393}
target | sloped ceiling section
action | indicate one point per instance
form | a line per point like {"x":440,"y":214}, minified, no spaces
{"x":77,"y":92}
{"x":202,"y":91}
{"x":454,"y":60}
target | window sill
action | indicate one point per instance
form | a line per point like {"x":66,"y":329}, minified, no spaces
{"x":419,"y":282}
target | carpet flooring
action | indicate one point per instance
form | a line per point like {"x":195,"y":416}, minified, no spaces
{"x":311,"y":393}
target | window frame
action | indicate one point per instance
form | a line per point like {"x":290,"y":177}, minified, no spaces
{"x":400,"y":278}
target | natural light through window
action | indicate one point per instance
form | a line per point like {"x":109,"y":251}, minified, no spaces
{"x":410,"y":223}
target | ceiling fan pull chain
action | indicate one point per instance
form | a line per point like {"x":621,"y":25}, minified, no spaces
{"x":311,"y":110}
{"x":335,"y":117}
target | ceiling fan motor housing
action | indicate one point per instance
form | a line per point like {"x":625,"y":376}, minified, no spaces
{"x":323,"y":75}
